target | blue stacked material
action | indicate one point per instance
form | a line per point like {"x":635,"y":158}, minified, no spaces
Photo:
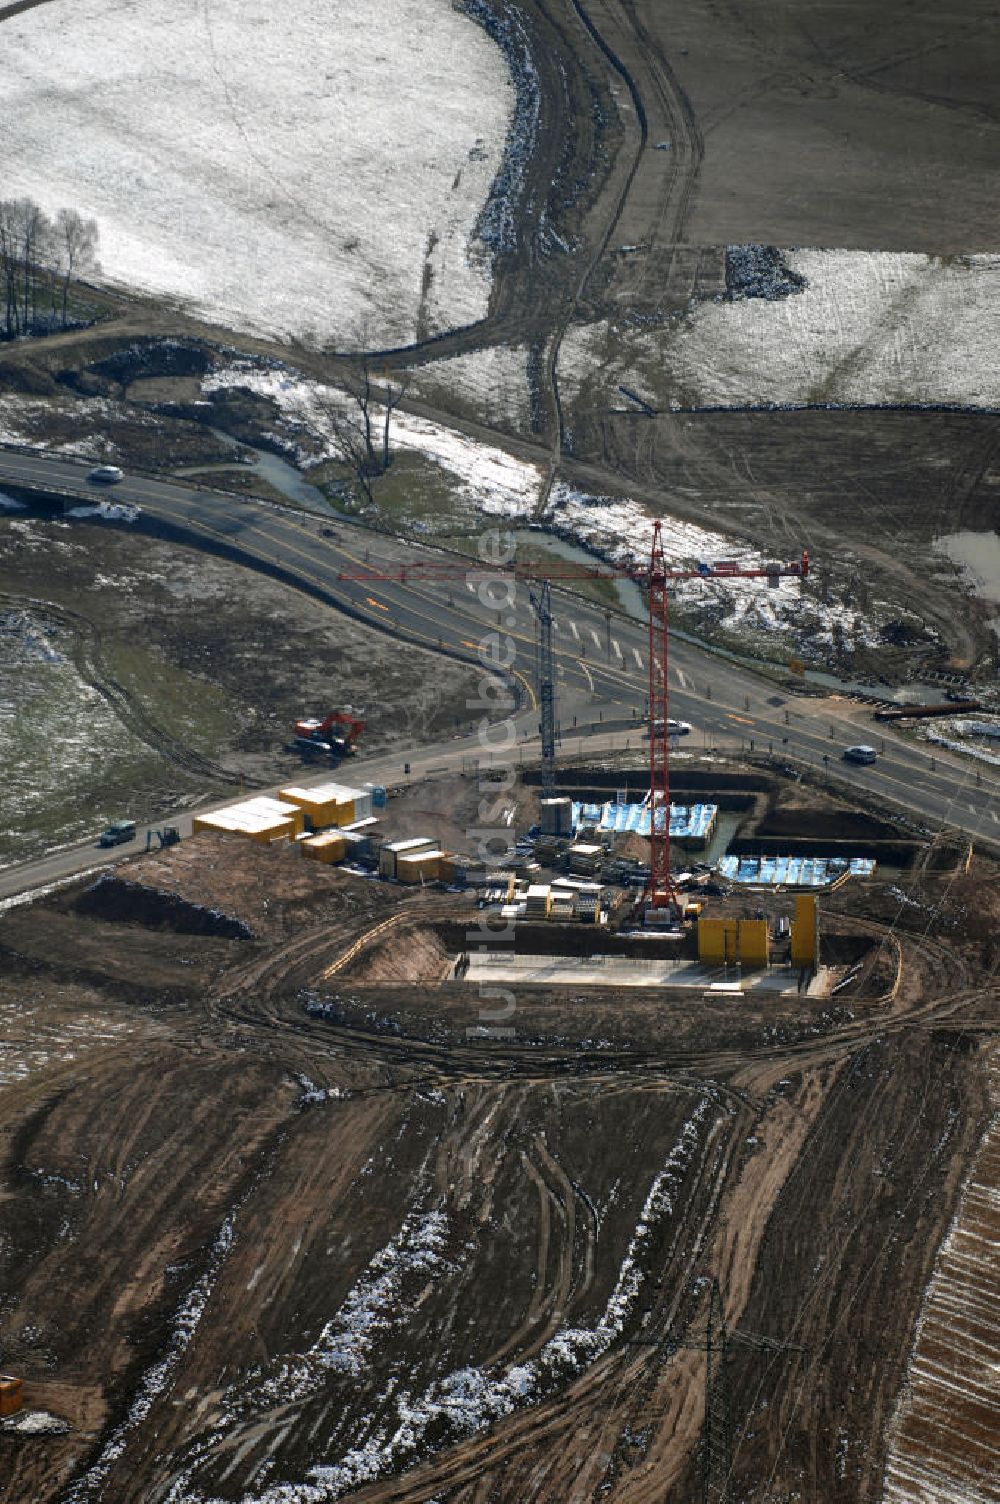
{"x":694,"y":821}
{"x":792,"y":871}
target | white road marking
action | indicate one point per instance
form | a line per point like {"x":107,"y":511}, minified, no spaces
{"x":555,"y":625}
{"x":470,"y":587}
{"x":683,"y":679}
{"x":617,"y":647}
{"x":638,"y":660}
{"x":597,"y":640}
{"x":574,"y":630}
{"x":994,"y":817}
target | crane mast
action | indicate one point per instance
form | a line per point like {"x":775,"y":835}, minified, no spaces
{"x":540,"y":596}
{"x":660,"y":890}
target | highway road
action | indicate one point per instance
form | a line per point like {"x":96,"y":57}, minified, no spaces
{"x":600,"y":659}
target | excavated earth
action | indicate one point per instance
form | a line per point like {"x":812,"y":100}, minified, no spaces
{"x":284,"y":1216}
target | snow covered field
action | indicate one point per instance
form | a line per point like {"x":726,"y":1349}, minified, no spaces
{"x":619,"y":528}
{"x":866,"y":328}
{"x":298,"y":172}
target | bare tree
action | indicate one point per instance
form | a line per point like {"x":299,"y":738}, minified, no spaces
{"x":23,"y":232}
{"x":30,"y":245}
{"x":35,"y":228}
{"x":76,"y":249}
{"x":360,"y":425}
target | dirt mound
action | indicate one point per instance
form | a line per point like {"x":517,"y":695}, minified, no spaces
{"x":113,"y":898}
{"x":268,"y":890}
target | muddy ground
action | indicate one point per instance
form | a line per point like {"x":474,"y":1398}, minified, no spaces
{"x":267,"y":1233}
{"x":271,"y":1224}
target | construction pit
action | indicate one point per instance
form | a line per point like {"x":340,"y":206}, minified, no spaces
{"x":282,"y":1193}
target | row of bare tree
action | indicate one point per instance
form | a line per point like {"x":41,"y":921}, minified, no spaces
{"x":39,"y":258}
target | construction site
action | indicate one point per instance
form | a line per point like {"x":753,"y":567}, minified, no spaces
{"x":287,"y":1114}
{"x":500,"y":824}
{"x":615,"y":1156}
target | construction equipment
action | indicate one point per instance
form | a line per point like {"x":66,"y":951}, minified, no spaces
{"x":168,"y":836}
{"x":660,"y":891}
{"x":336,"y":733}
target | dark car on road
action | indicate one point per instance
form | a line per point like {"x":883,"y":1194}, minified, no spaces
{"x":118,"y":833}
{"x":860,"y":754}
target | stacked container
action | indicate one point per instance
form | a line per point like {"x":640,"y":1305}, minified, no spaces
{"x":419,"y":866}
{"x":262,"y":819}
{"x":391,"y":852}
{"x":328,"y":804}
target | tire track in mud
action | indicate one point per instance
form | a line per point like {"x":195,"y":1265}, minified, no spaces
{"x":683,"y":176}
{"x":605,"y":1397}
{"x":583,"y":1407}
{"x":88,"y":657}
{"x":687,"y":142}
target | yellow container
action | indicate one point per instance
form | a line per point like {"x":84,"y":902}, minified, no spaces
{"x":11,"y":1395}
{"x":805,"y":931}
{"x":423,"y":867}
{"x":329,"y":846}
{"x":326,"y":805}
{"x":261,"y":819}
{"x":718,"y":941}
{"x":754,"y":942}
{"x":267,"y":835}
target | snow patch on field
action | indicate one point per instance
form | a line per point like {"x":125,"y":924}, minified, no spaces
{"x":618,"y":529}
{"x":487,"y":477}
{"x":107,"y":511}
{"x":374,"y":1306}
{"x":35,"y":1423}
{"x":492,"y":381}
{"x":306,"y":173}
{"x":185,"y":1323}
{"x":977,"y":556}
{"x":866,"y":328}
{"x":976,"y":738}
{"x":29,"y":422}
{"x":31,"y":1039}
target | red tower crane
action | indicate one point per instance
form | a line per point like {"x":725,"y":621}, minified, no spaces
{"x":660,"y":891}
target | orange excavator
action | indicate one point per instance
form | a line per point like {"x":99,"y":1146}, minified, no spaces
{"x":335,"y":734}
